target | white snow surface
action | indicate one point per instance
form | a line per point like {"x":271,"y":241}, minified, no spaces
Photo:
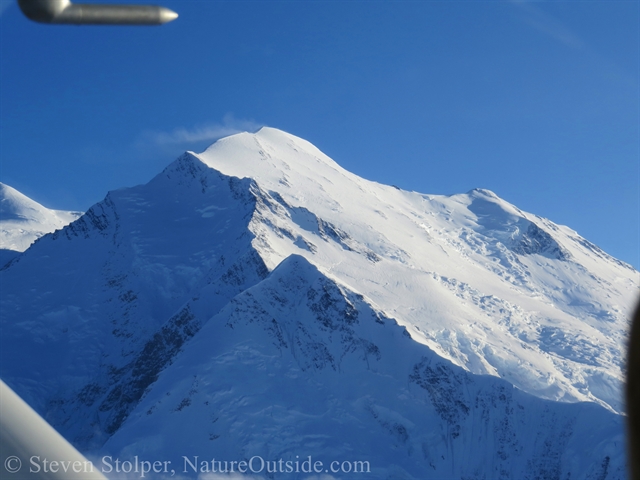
{"x":23,"y":220}
{"x":298,"y":366}
{"x":494,"y":289}
{"x":258,"y":299}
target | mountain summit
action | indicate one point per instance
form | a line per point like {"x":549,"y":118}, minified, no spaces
{"x":23,"y":220}
{"x":496,"y":290}
{"x":257,"y":299}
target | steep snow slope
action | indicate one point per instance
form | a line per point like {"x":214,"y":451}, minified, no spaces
{"x":23,"y":220}
{"x":494,"y":289}
{"x":299,"y":366}
{"x":91,"y":313}
{"x":98,"y":317}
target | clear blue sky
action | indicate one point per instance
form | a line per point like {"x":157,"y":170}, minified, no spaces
{"x":537,"y":101}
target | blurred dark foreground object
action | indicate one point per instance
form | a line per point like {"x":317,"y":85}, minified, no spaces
{"x":633,"y":398}
{"x":65,"y":12}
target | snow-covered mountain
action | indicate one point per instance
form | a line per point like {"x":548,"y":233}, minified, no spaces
{"x":259,"y":300}
{"x":22,"y":221}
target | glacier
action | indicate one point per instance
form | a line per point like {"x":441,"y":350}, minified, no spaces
{"x":257,"y":299}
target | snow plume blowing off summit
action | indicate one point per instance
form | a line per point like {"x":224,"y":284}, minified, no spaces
{"x":257,"y":299}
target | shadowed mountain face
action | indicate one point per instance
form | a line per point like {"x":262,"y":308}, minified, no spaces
{"x":257,"y":299}
{"x":298,"y":365}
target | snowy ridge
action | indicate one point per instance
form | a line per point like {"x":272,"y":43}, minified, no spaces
{"x":260,"y":265}
{"x":452,"y":269}
{"x":322,"y":375}
{"x":124,"y":282}
{"x":23,"y":220}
